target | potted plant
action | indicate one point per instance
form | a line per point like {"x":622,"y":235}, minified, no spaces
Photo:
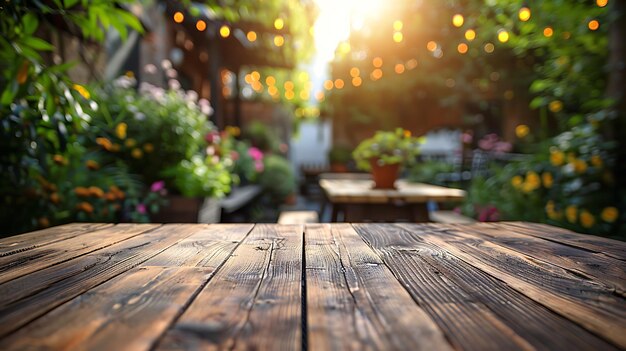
{"x":384,"y":154}
{"x":339,"y":156}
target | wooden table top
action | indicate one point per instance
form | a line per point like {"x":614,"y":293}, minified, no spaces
{"x":504,"y":286}
{"x":362,"y":191}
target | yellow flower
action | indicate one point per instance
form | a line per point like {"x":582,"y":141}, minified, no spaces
{"x":587,"y":219}
{"x":517,"y":181}
{"x":522,"y":131}
{"x":571,"y":212}
{"x":532,"y":182}
{"x":136,"y":153}
{"x":82,"y":91}
{"x":407,"y":133}
{"x":609,"y":214}
{"x":59,"y":160}
{"x":120,"y":130}
{"x":95,"y":191}
{"x":557,"y":157}
{"x":555,"y":106}
{"x":580,"y":166}
{"x":148,"y":147}
{"x":130,"y":142}
{"x":115,"y":147}
{"x":130,"y":74}
{"x":547,"y":179}
{"x":81,"y":191}
{"x":596,"y":161}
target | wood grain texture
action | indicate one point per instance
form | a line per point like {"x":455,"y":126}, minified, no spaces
{"x":528,"y":320}
{"x":208,"y":247}
{"x":587,"y":303}
{"x":355,"y":303}
{"x":25,"y":262}
{"x":28,"y":297}
{"x":588,"y":265}
{"x":254,"y":298}
{"x":126,"y":313}
{"x":23,"y":242}
{"x":612,"y":248}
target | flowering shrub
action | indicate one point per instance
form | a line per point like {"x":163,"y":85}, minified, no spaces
{"x":388,"y":148}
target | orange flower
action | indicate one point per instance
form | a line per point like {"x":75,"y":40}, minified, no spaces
{"x":120,"y":130}
{"x":43,"y":222}
{"x":85,"y":206}
{"x":609,"y":214}
{"x":104,"y":142}
{"x":137,"y":153}
{"x":59,"y":160}
{"x":55,"y":198}
{"x":110,"y":196}
{"x":96,"y":192}
{"x":148,"y":148}
{"x":22,"y":74}
{"x":82,"y":191}
{"x":92,"y":165}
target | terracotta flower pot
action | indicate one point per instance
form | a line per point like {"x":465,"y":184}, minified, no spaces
{"x":384,"y":176}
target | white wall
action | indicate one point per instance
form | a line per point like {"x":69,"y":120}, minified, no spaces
{"x":311,"y":144}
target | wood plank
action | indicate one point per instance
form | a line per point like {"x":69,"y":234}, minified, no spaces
{"x":28,"y":241}
{"x":298,"y":217}
{"x":126,"y":313}
{"x":28,"y":297}
{"x":609,"y":247}
{"x":254,"y":299}
{"x":533,"y":325}
{"x":354,"y":302}
{"x":209,"y":246}
{"x":38,"y":258}
{"x":587,"y":303}
{"x":590,"y":265}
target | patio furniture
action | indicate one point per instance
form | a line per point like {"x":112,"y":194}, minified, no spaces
{"x":298,"y":217}
{"x":500,"y":286}
{"x":353,"y":196}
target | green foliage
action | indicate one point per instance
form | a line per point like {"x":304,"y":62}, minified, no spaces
{"x":387,"y":148}
{"x":426,"y":172}
{"x":278,"y":178}
{"x":261,"y":136}
{"x":200,"y":177}
{"x":340,"y":154}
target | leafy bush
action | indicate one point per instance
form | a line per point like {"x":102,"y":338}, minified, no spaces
{"x":261,"y":136}
{"x":387,"y":148}
{"x":278,"y":178}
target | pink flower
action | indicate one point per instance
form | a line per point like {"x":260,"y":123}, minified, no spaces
{"x":258,"y":166}
{"x":255,"y":153}
{"x":141,"y":208}
{"x":157,"y":186}
{"x":489,"y":214}
{"x":212,"y":138}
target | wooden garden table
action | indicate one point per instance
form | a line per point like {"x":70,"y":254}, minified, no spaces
{"x":358,"y":201}
{"x":504,"y":286}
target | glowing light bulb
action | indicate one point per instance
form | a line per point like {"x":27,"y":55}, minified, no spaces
{"x":462,"y":48}
{"x":431,"y":46}
{"x":201,"y":25}
{"x":470,"y":34}
{"x":524,"y":14}
{"x":503,"y":36}
{"x":179,"y":17}
{"x":251,"y":36}
{"x":602,"y":3}
{"x":224,"y":31}
{"x":279,"y":23}
{"x":458,"y":20}
{"x":593,"y":25}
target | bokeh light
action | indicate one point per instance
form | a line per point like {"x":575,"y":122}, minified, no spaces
{"x":279,"y":40}
{"x":503,"y":36}
{"x":224,"y":31}
{"x":377,"y":62}
{"x":201,"y":25}
{"x":179,"y":17}
{"x":462,"y":48}
{"x":548,"y":32}
{"x":524,"y":14}
{"x":397,"y":37}
{"x":251,"y":36}
{"x":458,"y":20}
{"x":470,"y":34}
{"x":279,"y":23}
{"x":593,"y":25}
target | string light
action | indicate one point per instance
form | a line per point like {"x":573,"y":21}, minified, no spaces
{"x":319,"y":96}
{"x":224,"y":31}
{"x":251,"y":36}
{"x":399,"y":68}
{"x":354,"y":72}
{"x":255,"y":75}
{"x":458,"y":20}
{"x":201,"y":25}
{"x":377,"y":74}
{"x":377,"y":62}
{"x":279,"y":40}
{"x":288,"y":85}
{"x":328,"y":84}
{"x":356,"y":81}
{"x":179,"y":17}
{"x":397,"y":25}
{"x":593,"y":25}
{"x":470,"y":34}
{"x":547,"y":32}
{"x":524,"y":14}
{"x":503,"y":36}
{"x":489,"y":47}
{"x":602,"y":3}
{"x":289,"y":95}
{"x":339,"y":83}
{"x":397,"y":37}
{"x":279,"y":23}
{"x":462,"y":48}
{"x":270,"y":80}
{"x":411,"y":64}
{"x":272,"y":90}
{"x":431,"y":46}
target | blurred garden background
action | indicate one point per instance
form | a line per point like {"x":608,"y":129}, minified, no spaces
{"x":138,"y":111}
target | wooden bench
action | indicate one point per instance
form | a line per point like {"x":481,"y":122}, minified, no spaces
{"x":298,"y":217}
{"x":449,"y":217}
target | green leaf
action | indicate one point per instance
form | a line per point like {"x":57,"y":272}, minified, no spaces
{"x":69,"y":3}
{"x":30,"y":23}
{"x":131,"y":20}
{"x":37,"y":44}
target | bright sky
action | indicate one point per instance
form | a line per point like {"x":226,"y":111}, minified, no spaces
{"x":332,"y":27}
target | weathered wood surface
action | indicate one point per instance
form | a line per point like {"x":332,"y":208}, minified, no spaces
{"x":480,"y":286}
